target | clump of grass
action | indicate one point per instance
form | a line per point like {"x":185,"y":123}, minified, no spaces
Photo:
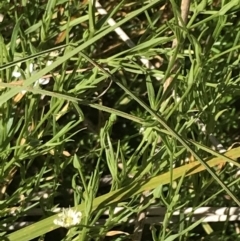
{"x":82,"y":103}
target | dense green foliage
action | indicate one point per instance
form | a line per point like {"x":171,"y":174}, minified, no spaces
{"x":78,"y":106}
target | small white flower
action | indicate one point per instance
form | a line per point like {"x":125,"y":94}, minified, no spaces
{"x":16,"y":74}
{"x":68,"y":217}
{"x":41,"y":81}
{"x":142,"y":129}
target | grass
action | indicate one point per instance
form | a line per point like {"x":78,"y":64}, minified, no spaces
{"x":154,"y":128}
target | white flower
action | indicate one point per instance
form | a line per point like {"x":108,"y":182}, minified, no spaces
{"x":68,"y":217}
{"x":41,"y":81}
{"x":142,"y":129}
